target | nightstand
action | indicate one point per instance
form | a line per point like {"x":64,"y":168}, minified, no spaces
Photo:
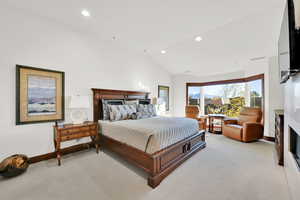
{"x":75,"y":131}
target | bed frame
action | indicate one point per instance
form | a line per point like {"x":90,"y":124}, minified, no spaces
{"x":159,"y":164}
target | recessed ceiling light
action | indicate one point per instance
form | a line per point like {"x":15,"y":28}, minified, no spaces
{"x":163,"y":51}
{"x":198,"y":38}
{"x":85,"y":13}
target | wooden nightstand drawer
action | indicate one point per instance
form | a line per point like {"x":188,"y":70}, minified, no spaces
{"x":87,"y":128}
{"x":75,"y":136}
{"x":94,"y":127}
{"x":66,"y":138}
{"x":69,"y":132}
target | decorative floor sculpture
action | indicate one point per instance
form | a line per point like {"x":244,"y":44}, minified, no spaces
{"x":14,"y":165}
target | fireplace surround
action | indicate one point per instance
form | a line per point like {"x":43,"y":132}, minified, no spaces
{"x":295,"y":146}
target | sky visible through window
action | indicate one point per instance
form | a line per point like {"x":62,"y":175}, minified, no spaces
{"x":256,"y":86}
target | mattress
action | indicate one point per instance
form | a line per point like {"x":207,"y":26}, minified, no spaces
{"x":150,"y":134}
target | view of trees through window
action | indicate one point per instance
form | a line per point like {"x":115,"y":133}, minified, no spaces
{"x":226,"y":99}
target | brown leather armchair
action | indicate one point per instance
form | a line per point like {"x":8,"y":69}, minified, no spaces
{"x":192,"y":111}
{"x":247,"y":128}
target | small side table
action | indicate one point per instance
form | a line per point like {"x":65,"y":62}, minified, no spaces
{"x":75,"y":131}
{"x":211,"y":119}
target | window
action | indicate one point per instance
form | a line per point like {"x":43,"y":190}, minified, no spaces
{"x":194,"y":95}
{"x":163,"y":96}
{"x":255,"y":93}
{"x":226,"y":97}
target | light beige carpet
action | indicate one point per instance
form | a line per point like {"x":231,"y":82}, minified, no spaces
{"x":225,"y":170}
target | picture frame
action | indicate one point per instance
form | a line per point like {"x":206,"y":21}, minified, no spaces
{"x":40,"y":95}
{"x":164,"y":95}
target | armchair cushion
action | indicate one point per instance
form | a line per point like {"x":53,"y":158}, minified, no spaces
{"x":245,"y":118}
{"x":202,"y":120}
{"x":252,"y":131}
{"x":248,"y":114}
{"x":230,"y":121}
{"x":233,"y":131}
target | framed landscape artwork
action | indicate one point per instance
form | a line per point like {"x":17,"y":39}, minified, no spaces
{"x":39,"y":95}
{"x":163,"y":95}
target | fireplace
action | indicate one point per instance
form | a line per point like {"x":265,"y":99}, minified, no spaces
{"x":295,"y":146}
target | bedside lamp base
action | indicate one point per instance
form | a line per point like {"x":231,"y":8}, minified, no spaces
{"x":78,"y":116}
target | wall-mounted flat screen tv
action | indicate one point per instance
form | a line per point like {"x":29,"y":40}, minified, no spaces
{"x":288,"y":45}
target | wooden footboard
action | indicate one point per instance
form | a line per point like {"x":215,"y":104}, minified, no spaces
{"x":162,"y":163}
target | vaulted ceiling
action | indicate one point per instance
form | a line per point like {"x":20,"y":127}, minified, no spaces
{"x":233,"y":31}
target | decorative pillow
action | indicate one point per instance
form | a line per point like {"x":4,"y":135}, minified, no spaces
{"x":139,"y":115}
{"x":106,"y":102}
{"x":143,"y":115}
{"x":121,"y":112}
{"x":146,"y":111}
{"x":133,"y":116}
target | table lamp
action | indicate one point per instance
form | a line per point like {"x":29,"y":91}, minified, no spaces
{"x":79,"y":105}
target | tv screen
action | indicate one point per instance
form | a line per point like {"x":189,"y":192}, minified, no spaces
{"x":287,"y":45}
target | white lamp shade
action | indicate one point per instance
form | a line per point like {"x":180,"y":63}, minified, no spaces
{"x":79,"y":102}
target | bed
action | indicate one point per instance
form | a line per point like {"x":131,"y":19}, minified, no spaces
{"x":157,"y":145}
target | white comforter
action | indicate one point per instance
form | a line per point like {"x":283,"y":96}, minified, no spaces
{"x":151,"y":134}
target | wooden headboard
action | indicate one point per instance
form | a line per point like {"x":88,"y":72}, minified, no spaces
{"x":99,"y":94}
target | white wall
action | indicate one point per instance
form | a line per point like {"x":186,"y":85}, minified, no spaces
{"x":86,"y":61}
{"x":273,"y":93}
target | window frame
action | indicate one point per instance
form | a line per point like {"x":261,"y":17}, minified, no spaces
{"x":230,"y":81}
